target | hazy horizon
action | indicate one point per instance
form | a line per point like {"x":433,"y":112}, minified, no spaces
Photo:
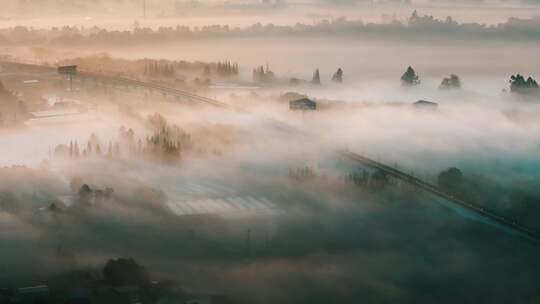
{"x":273,"y":151}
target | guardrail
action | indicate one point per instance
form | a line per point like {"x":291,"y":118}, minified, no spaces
{"x":127,"y":81}
{"x":505,"y":221}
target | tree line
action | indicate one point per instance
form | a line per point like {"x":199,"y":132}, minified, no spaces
{"x":518,"y":83}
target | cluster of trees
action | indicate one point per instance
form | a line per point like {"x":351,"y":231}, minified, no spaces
{"x":411,"y":78}
{"x":88,"y":196}
{"x":519,"y":203}
{"x":306,"y":173}
{"x":262,"y":74}
{"x":226,"y":69}
{"x":125,"y":272}
{"x":376,"y":179}
{"x":520,"y":85}
{"x":92,"y":148}
{"x":416,"y":26}
{"x":316,"y":78}
{"x":165,"y":144}
{"x":155,"y":68}
{"x":108,"y":65}
{"x":12,"y":110}
{"x":336,"y":77}
{"x":451,"y":82}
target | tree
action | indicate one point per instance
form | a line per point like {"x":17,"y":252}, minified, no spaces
{"x":451,"y":180}
{"x":338,"y":76}
{"x":84,"y":195}
{"x":452,"y":82}
{"x":262,"y":75}
{"x":410,"y":78}
{"x":125,"y":271}
{"x":316,"y":77}
{"x":519,"y":85}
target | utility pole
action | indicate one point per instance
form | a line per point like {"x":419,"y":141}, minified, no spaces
{"x":144,"y":8}
{"x":70,"y":71}
{"x":71,"y":82}
{"x":248,"y":244}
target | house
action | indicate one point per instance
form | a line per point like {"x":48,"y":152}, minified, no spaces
{"x":424,"y":104}
{"x":302,"y":104}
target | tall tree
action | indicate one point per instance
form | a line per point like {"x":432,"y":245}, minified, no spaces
{"x":316,"y":77}
{"x":410,"y":78}
{"x":338,"y":76}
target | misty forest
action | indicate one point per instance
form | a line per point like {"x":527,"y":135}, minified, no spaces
{"x":269,"y":151}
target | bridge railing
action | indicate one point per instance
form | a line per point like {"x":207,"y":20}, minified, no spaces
{"x":508,"y":222}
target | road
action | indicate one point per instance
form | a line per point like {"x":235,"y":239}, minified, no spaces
{"x":49,"y":71}
{"x":507,"y":222}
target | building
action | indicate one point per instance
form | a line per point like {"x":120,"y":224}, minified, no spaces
{"x":424,"y":104}
{"x":302,"y":104}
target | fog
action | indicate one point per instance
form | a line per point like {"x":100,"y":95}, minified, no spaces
{"x":231,"y":191}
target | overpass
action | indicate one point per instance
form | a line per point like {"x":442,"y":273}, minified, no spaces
{"x":128,"y":82}
{"x":430,"y":188}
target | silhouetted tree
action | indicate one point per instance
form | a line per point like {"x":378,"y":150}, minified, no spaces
{"x":125,"y":271}
{"x":260,"y":74}
{"x":226,"y":69}
{"x":451,"y":180}
{"x":85,"y":194}
{"x":410,"y":78}
{"x":452,"y":82}
{"x":338,"y":75}
{"x":519,"y":85}
{"x":316,"y":77}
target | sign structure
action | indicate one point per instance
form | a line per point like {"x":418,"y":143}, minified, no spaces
{"x":70,"y":71}
{"x":67,"y":70}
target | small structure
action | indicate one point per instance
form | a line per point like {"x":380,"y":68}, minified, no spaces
{"x":424,"y":104}
{"x":302,"y":104}
{"x":69,"y":71}
{"x":30,"y":82}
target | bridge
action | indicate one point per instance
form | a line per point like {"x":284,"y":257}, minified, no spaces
{"x":511,"y":224}
{"x":127,"y":82}
{"x":430,"y":188}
